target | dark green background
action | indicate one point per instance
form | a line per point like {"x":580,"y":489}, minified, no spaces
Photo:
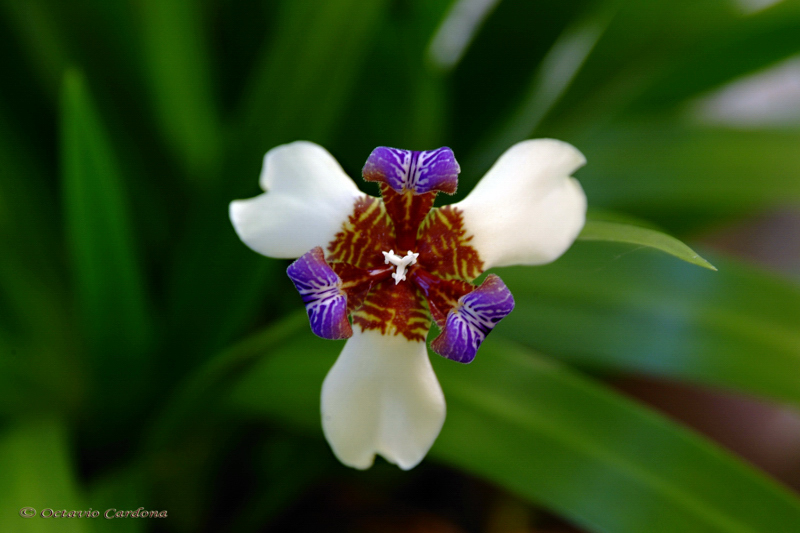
{"x":148,"y":358}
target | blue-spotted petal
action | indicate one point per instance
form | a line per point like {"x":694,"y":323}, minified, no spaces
{"x":469,"y":322}
{"x":321,"y":290}
{"x":419,"y":172}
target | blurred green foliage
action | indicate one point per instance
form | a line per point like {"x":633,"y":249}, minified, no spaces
{"x":148,"y":358}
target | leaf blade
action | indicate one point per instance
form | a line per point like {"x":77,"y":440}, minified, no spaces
{"x":588,"y":434}
{"x":598,"y":230}
{"x":181,"y":83}
{"x":512,"y":400}
{"x":36,"y":472}
{"x":288,"y":98}
{"x":655,"y":171}
{"x":109,"y":285}
{"x":604,"y":308}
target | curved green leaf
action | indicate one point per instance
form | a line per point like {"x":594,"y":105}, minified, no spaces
{"x":108,"y":283}
{"x":542,"y":430}
{"x":218,"y":371}
{"x":299,"y":86}
{"x":598,"y":230}
{"x":122,"y":489}
{"x":756,"y":41}
{"x":549,"y":83}
{"x":36,"y":332}
{"x":181,"y":83}
{"x":35,"y":471}
{"x":667,"y":170}
{"x":42,"y":39}
{"x":656,"y":54}
{"x":302,"y":80}
{"x":602,"y":306}
{"x":554,"y":437}
{"x":23,"y":190}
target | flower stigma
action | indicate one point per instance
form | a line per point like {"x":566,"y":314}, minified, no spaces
{"x":401,"y":263}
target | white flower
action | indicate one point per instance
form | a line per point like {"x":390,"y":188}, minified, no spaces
{"x":394,"y":264}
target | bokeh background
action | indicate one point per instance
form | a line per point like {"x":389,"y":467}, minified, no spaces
{"x":149,"y":359}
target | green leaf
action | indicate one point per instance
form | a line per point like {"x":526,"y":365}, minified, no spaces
{"x":32,"y":288}
{"x":606,"y":307}
{"x":411,"y":97}
{"x":181,"y":83}
{"x":287,"y":467}
{"x":633,"y":59}
{"x":44,"y":42}
{"x":756,"y":41}
{"x":657,"y":53}
{"x":598,"y":230}
{"x":53,"y":36}
{"x":108,"y":283}
{"x":121,"y":490}
{"x":215,"y":374}
{"x":41,"y":327}
{"x":297,"y":91}
{"x":27,"y":207}
{"x":288,"y":392}
{"x":549,"y":83}
{"x":594,"y":456}
{"x":302,"y":80}
{"x":677,"y":175}
{"x":554,"y":437}
{"x":36,"y":472}
{"x":36,"y":332}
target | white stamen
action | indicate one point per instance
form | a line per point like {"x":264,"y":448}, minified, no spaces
{"x":401,"y":263}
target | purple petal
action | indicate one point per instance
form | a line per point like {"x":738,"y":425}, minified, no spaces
{"x":476,"y":314}
{"x":320,"y":288}
{"x":420,"y":172}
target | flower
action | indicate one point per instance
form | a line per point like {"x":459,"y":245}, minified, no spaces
{"x":394,"y":264}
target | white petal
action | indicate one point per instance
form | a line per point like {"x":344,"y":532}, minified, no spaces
{"x":381,"y":396}
{"x":527,"y":209}
{"x":308,"y":198}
